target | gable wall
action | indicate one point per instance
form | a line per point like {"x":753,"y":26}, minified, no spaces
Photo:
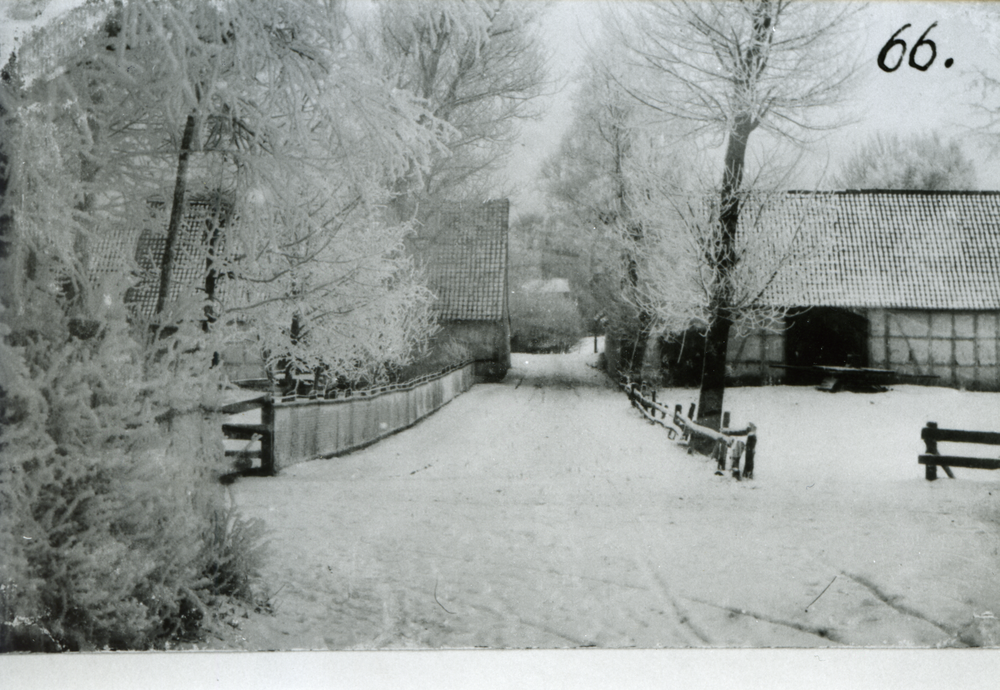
{"x":463,"y":249}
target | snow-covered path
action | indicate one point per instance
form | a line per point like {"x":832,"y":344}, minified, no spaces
{"x":544,"y":512}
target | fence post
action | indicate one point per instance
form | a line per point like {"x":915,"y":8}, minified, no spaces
{"x":267,"y":438}
{"x":930,"y":471}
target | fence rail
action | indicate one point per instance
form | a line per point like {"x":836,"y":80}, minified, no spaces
{"x":932,"y":435}
{"x":719,"y":444}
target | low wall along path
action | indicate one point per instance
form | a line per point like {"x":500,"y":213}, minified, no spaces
{"x":312,"y":428}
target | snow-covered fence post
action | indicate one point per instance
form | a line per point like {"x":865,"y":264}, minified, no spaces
{"x":750,"y":446}
{"x":736,"y":454}
{"x":262,"y":432}
{"x":930,"y":471}
{"x":267,"y":440}
{"x":751,"y":450}
{"x":931,"y":435}
{"x":719,"y":453}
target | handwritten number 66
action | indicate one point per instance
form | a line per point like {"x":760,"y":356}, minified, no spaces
{"x":893,"y":42}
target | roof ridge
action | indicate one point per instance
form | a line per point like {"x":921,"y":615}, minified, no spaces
{"x":898,"y":192}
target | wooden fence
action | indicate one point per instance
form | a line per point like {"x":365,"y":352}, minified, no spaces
{"x":932,"y":435}
{"x":720,"y":444}
{"x":294,"y":430}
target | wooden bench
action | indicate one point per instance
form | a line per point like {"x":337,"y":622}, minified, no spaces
{"x":859,"y":379}
{"x":932,"y":435}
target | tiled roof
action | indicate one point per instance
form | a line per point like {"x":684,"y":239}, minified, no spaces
{"x":120,"y":246}
{"x":893,"y":249}
{"x":463,"y":249}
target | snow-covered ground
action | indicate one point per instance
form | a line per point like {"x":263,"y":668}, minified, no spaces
{"x":544,"y":512}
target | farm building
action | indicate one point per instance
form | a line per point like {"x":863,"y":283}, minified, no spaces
{"x":463,"y":250}
{"x":201,"y":235}
{"x":900,"y":280}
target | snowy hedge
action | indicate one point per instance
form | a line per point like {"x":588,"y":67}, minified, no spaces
{"x":114,"y":530}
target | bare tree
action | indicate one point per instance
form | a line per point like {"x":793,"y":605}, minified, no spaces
{"x":478,"y":66}
{"x":915,"y":162}
{"x":986,"y":98}
{"x":684,"y":232}
{"x":725,"y":70}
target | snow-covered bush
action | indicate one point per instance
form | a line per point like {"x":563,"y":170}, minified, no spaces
{"x":112,"y":524}
{"x":113,"y":528}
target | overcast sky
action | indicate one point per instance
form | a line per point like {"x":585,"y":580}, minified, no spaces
{"x":904,"y":101}
{"x":940,"y":99}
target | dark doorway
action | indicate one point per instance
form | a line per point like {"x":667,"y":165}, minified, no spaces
{"x":824,"y":336}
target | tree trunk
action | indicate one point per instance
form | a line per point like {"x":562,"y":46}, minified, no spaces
{"x":215,"y":242}
{"x":652,"y":361}
{"x":176,"y":215}
{"x":713,"y":373}
{"x":713,"y":376}
{"x":6,"y":220}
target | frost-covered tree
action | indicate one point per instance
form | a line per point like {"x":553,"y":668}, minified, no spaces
{"x":724,"y":70}
{"x":478,"y":65}
{"x":920,"y":161}
{"x":603,"y":167}
{"x":113,"y":530}
{"x":267,"y":107}
{"x":621,"y":169}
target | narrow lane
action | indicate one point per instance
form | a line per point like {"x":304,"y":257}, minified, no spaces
{"x":543,"y":512}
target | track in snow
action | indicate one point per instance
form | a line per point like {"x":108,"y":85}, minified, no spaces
{"x":544,"y":512}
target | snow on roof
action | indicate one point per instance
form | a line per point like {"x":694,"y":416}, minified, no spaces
{"x":893,"y":249}
{"x":123,"y":245}
{"x":464,"y":251}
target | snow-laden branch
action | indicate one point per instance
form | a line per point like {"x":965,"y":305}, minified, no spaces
{"x":294,"y":125}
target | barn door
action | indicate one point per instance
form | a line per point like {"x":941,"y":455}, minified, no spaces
{"x":824,"y":336}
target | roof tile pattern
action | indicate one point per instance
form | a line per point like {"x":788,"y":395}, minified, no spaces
{"x":891,"y":249}
{"x":464,"y":251}
{"x":123,"y":246}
